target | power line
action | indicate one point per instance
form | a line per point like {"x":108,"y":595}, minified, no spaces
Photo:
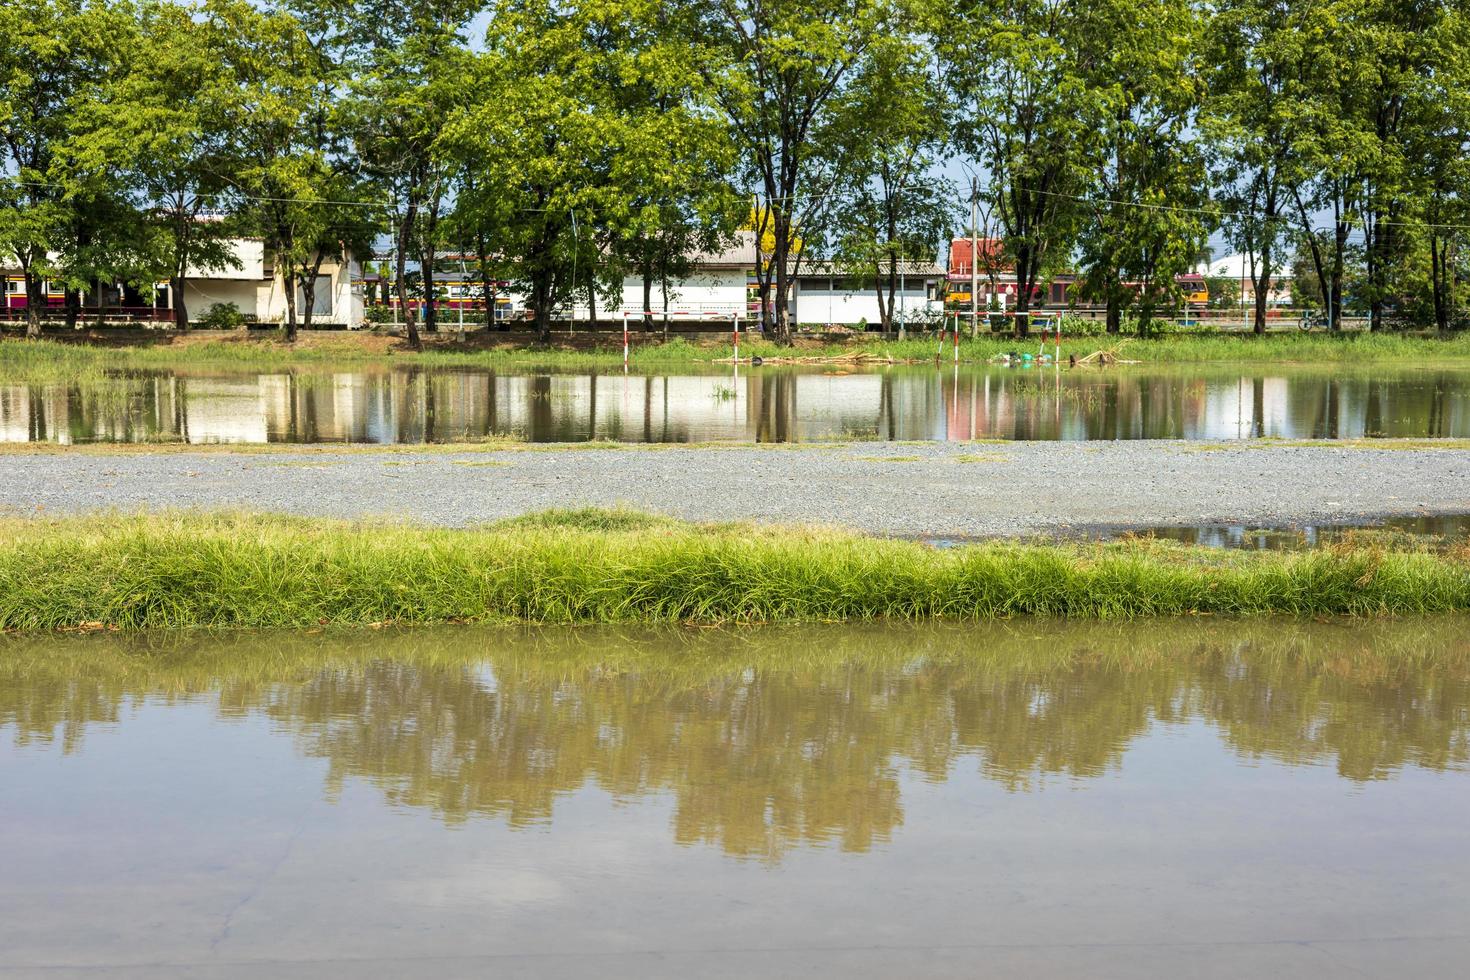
{"x":1218,"y":213}
{"x":247,"y":197}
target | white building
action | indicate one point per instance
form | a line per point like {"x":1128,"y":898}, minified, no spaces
{"x":249,"y":280}
{"x":1238,"y":268}
{"x":723,"y":284}
{"x":253,"y":284}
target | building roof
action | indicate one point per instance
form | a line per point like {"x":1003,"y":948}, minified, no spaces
{"x":825,"y":269}
{"x":1237,"y":266}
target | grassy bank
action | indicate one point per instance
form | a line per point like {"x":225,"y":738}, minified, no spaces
{"x":614,"y":567}
{"x":51,"y":360}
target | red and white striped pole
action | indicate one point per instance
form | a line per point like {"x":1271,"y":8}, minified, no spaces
{"x":736,"y":321}
{"x":625,"y":342}
{"x":957,"y":340}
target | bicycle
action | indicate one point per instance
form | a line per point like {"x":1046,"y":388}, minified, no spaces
{"x":1310,"y":321}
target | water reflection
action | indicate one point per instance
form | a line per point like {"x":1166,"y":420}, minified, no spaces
{"x":768,"y":405}
{"x":770,"y":740}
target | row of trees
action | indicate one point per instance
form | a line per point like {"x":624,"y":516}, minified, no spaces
{"x":570,"y":144}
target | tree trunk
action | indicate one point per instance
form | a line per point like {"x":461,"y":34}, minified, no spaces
{"x":1375,"y":273}
{"x":646,"y":270}
{"x":781,"y":332}
{"x":1438,"y":281}
{"x":1339,"y":263}
{"x":289,"y":282}
{"x":400,"y":262}
{"x":35,"y":299}
{"x":176,"y":293}
{"x":541,"y":289}
{"x":73,"y":307}
{"x":308,"y":295}
{"x":886,"y":313}
{"x":431,"y":291}
{"x":1114,"y":313}
{"x":1026,"y":262}
{"x":1262,"y":285}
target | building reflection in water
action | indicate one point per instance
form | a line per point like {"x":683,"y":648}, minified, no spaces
{"x":415,"y":405}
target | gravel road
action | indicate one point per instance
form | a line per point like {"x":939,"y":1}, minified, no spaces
{"x":936,"y":489}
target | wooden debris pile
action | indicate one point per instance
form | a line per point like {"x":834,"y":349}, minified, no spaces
{"x":1107,"y":355}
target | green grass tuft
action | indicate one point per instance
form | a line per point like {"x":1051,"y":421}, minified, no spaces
{"x":590,"y":566}
{"x":47,"y":361}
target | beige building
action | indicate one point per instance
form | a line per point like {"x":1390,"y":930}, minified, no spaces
{"x":250,"y":281}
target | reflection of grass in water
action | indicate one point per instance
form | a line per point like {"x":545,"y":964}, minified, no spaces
{"x":597,"y":566}
{"x":722,"y":393}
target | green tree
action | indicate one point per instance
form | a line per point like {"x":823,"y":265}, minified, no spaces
{"x":53,"y":55}
{"x":891,"y":208}
{"x":170,"y":121}
{"x":288,"y":145}
{"x":781,"y":73}
{"x":407,"y":60}
{"x":1438,"y":139}
{"x":675,"y":161}
{"x":579,"y":143}
{"x":1029,"y":113}
{"x":1146,"y":204}
{"x":1253,"y":51}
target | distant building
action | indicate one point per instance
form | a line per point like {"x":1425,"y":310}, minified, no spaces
{"x":1237,"y":268}
{"x":250,"y":281}
{"x":719,"y":286}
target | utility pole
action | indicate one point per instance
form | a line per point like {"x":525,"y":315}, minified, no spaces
{"x":974,"y":257}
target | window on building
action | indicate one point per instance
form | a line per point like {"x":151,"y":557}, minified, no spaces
{"x":321,"y":300}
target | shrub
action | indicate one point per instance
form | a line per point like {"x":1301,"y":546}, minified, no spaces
{"x":222,"y":316}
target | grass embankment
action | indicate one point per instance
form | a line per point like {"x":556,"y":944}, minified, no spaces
{"x":618,"y":567}
{"x":61,"y":361}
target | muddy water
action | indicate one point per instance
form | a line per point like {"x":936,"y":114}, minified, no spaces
{"x":765,"y":404}
{"x":1203,"y":799}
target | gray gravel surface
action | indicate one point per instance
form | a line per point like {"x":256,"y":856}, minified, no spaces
{"x":910,"y":490}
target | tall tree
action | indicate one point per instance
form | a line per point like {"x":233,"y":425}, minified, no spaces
{"x":1020,"y":73}
{"x":1146,"y":204}
{"x":569,"y":165}
{"x":170,"y":121}
{"x":1253,"y":52}
{"x":676,"y":161}
{"x":781,"y":72}
{"x":291,"y":161}
{"x":53,"y":54}
{"x":1438,"y":140}
{"x":892,"y":209}
{"x":407,"y":60}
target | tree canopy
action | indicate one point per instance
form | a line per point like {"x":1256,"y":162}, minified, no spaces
{"x":575,"y":146}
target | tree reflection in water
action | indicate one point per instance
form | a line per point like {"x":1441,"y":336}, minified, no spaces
{"x":770,"y":404}
{"x":777,"y":738}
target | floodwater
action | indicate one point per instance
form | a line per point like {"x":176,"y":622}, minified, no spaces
{"x":1434,"y":531}
{"x":766,"y":404}
{"x":1186,"y":798}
